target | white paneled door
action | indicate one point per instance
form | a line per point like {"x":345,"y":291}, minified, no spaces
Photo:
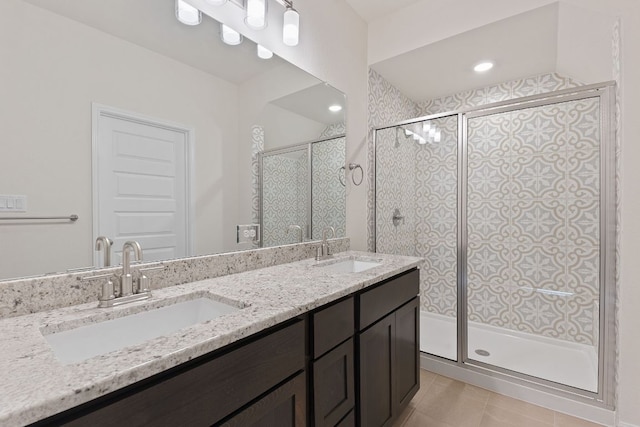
{"x":141,"y":184}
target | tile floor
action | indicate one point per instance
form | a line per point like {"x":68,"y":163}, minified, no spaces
{"x":444,"y":402}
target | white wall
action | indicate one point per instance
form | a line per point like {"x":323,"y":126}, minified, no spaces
{"x":52,"y":70}
{"x":431,"y":20}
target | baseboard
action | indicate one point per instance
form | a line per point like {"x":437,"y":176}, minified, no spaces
{"x":542,"y":398}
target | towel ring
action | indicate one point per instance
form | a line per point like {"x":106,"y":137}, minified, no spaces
{"x":341,"y":171}
{"x":352,"y":167}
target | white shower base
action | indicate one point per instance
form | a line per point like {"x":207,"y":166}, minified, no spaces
{"x":556,"y":360}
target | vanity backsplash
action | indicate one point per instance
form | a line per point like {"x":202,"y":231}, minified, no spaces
{"x":31,"y":295}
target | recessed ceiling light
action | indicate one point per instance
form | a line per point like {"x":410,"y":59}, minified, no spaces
{"x":483,"y":66}
{"x":335,"y":108}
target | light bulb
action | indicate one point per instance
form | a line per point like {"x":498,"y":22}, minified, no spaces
{"x":483,"y":66}
{"x":291,"y":27}
{"x":187,"y":14}
{"x":335,"y":108}
{"x":229,"y":35}
{"x":264,"y":53}
{"x":256,"y":17}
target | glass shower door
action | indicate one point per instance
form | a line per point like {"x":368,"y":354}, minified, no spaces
{"x":533,"y":215}
{"x":416,"y":215}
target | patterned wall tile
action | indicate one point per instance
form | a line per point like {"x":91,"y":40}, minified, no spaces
{"x":487,"y":221}
{"x":489,"y":305}
{"x":539,"y":313}
{"x":538,"y":266}
{"x":531,"y":214}
{"x":583,"y":270}
{"x":489,"y":264}
{"x":538,"y":221}
{"x":328,"y":194}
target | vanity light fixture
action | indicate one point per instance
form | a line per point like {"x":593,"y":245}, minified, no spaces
{"x":483,"y":66}
{"x":187,"y":14}
{"x":335,"y":108}
{"x":256,"y":14}
{"x":291,"y":25}
{"x":264,"y":53}
{"x":229,"y":35}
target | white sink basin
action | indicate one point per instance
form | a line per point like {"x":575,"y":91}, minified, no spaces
{"x":84,"y":342}
{"x":349,"y":266}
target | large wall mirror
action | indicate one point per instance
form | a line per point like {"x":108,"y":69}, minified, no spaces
{"x":76,"y":71}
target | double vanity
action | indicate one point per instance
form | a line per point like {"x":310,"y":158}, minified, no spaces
{"x":324,"y":343}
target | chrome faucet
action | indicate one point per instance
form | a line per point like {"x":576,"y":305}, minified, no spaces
{"x":127,"y":278}
{"x":296,"y":227}
{"x":323,"y":251}
{"x":104,"y":243}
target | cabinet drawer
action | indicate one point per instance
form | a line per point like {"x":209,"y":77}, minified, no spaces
{"x":204,"y":394}
{"x":332,"y":325}
{"x":333,"y":384}
{"x":383,"y":299}
{"x":283,"y":407}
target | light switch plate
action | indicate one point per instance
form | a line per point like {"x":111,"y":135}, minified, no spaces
{"x":249,"y":233}
{"x":13,"y":203}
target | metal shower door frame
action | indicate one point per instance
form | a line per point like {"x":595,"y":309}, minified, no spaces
{"x":604,"y":397}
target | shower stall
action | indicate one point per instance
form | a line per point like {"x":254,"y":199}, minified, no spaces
{"x":302,"y":191}
{"x":512,"y":207}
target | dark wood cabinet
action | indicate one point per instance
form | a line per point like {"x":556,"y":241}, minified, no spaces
{"x":283,"y":407}
{"x":407,"y":363}
{"x":388,"y":350}
{"x":333,"y":385}
{"x":377,"y":360}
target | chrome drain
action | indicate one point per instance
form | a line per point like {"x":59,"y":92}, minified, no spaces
{"x":481,"y":352}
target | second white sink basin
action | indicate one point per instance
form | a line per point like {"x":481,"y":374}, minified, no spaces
{"x":84,"y":342}
{"x":349,"y":266}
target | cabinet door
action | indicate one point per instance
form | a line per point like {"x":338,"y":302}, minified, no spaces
{"x":407,"y":368}
{"x":377,"y":362}
{"x":283,"y":407}
{"x":333,"y":379}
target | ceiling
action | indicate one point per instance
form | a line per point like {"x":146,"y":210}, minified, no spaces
{"x":318,"y":110}
{"x":152,"y":24}
{"x":521,"y":46}
{"x":370,"y":10}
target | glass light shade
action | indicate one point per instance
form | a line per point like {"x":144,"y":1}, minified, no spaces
{"x":216,"y":2}
{"x":432,"y":132}
{"x":229,"y":35}
{"x":425,"y":127}
{"x":291,"y":27}
{"x":256,"y":17}
{"x":437,"y":136}
{"x":187,"y":14}
{"x":264,"y":53}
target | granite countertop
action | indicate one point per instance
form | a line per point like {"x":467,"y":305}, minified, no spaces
{"x":35,"y":385}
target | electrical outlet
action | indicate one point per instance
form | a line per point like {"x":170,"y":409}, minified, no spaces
{"x":12,"y":203}
{"x":249,"y":233}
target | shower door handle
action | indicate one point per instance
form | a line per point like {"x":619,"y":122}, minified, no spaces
{"x":396,"y":218}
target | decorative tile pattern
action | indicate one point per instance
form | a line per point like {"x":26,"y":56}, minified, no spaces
{"x":534,"y":215}
{"x":328,"y":204}
{"x":285,"y":196}
{"x":533,"y":210}
{"x":257,"y":146}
